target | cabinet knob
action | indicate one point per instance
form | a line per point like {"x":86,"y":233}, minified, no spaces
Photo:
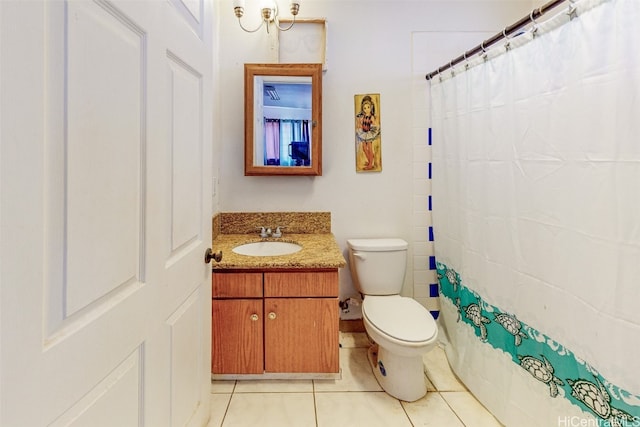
{"x":272,"y":315}
{"x":253,"y":317}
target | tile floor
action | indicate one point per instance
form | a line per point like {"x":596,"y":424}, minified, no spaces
{"x":353,"y":401}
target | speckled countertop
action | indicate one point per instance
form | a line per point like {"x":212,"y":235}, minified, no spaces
{"x":318,"y":251}
{"x":311,"y":230}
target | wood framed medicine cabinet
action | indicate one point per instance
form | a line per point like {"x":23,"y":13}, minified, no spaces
{"x":283,"y":119}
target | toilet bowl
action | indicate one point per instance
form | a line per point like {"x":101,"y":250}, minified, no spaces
{"x":402,"y":334}
{"x":401,"y":328}
{"x":400,"y":324}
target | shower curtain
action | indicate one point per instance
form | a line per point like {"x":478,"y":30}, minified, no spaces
{"x":272,"y":141}
{"x":536,"y":216}
{"x":279,"y":133}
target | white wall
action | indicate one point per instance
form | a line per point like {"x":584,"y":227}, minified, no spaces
{"x":384,"y":47}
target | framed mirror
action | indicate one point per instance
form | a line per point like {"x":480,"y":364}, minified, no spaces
{"x":283,"y":119}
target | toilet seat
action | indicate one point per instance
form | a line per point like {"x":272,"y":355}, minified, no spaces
{"x":400,"y":317}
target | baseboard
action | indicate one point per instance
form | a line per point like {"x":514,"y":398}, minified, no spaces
{"x":351,"y":325}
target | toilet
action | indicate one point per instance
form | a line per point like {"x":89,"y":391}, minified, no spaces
{"x":401,"y":328}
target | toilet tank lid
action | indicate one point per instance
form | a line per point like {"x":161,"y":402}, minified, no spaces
{"x":378,"y":245}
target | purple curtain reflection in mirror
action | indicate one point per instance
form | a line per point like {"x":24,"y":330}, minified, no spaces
{"x":286,"y":142}
{"x":272,"y":142}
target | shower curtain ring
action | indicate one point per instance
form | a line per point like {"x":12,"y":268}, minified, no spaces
{"x":466,"y":63}
{"x":573,"y":10}
{"x":451,"y":67}
{"x":484,"y":52}
{"x":534,"y":27}
{"x":507,"y":44}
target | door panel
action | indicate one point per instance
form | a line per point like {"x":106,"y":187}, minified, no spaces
{"x":192,"y":11}
{"x":186,"y":154}
{"x":103,"y":175}
{"x":121,"y":389}
{"x":105,"y":120}
{"x":187,"y":349}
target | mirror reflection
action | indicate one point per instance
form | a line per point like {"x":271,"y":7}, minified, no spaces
{"x":285,"y":131}
{"x":283,"y":119}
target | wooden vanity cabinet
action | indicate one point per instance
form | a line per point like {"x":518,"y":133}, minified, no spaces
{"x":237,"y":324}
{"x":298,"y":319}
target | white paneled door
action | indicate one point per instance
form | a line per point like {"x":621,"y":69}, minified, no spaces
{"x":105,"y":212}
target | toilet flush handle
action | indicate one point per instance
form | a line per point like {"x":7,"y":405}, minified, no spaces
{"x":359,"y":255}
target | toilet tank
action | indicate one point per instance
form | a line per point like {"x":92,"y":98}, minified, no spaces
{"x":378,"y":266}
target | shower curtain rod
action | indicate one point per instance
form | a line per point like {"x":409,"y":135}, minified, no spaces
{"x":535,"y":13}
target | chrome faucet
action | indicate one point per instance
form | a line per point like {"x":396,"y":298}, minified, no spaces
{"x":278,"y":232}
{"x":264,"y":232}
{"x":267,"y":232}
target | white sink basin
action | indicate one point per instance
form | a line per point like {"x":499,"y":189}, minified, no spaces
{"x":267,"y":248}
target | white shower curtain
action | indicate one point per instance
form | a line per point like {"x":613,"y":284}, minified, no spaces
{"x":536,"y":214}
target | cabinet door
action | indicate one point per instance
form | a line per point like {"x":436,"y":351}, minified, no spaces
{"x":236,"y":335}
{"x":301,"y":335}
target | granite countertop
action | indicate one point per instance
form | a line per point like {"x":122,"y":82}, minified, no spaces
{"x":319,"y":250}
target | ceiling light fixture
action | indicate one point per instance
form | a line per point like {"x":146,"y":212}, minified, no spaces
{"x":269,"y":12}
{"x":272,"y":92}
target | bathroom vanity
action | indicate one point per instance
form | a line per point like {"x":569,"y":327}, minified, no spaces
{"x":275,"y":322}
{"x":276,"y":316}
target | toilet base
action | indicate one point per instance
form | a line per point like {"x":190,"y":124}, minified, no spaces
{"x":400,"y":376}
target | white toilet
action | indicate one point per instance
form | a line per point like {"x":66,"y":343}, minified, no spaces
{"x":402,"y":329}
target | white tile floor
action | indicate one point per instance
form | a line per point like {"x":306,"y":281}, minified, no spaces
{"x":353,"y":401}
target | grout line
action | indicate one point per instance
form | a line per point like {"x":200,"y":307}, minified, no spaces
{"x":276,"y":392}
{"x":450,"y":407}
{"x":226,"y":409}
{"x":405,"y":412}
{"x":315,"y":403}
